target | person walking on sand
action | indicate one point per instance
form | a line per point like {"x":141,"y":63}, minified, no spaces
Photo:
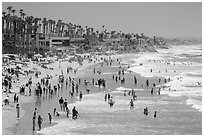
{"x":40,"y":120}
{"x":18,"y":110}
{"x":65,"y":105}
{"x":50,"y":118}
{"x":74,"y":113}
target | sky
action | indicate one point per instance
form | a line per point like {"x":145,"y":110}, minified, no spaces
{"x":175,"y":19}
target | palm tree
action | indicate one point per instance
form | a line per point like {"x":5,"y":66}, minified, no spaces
{"x":58,"y":27}
{"x":9,"y":8}
{"x":14,"y":20}
{"x":154,"y":39}
{"x":23,"y":15}
{"x":44,"y":26}
{"x":53,"y":27}
{"x":62,"y":30}
{"x":35,"y":29}
{"x":97,"y":32}
{"x":103,"y":27}
{"x":21,"y":11}
{"x":50,"y":26}
{"x":22,"y":27}
{"x":8,"y":24}
{"x":13,"y":11}
{"x":29,"y":21}
{"x":3,"y":20}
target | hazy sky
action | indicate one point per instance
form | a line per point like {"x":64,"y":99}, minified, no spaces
{"x":163,"y":19}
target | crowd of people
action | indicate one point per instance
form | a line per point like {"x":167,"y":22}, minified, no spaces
{"x":46,"y":86}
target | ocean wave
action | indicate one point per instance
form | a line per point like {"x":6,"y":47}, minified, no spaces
{"x":122,"y":89}
{"x":192,"y":74}
{"x":195,"y":103}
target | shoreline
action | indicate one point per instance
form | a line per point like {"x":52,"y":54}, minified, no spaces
{"x":52,"y":126}
{"x":167,"y":99}
{"x":180,"y":80}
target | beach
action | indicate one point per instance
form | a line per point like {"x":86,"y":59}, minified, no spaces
{"x":179,"y":106}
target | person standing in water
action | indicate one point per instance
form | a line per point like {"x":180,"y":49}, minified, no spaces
{"x":80,"y":96}
{"x":67,"y":112}
{"x":18,"y":110}
{"x":40,"y":120}
{"x":135,"y":80}
{"x":159,"y":91}
{"x":33,"y":123}
{"x":65,"y":105}
{"x":155,"y":114}
{"x":54,"y":111}
{"x":50,"y":118}
{"x":111,"y":102}
{"x":147,"y":82}
{"x":152,"y":90}
{"x":131,"y":104}
{"x":61,"y":101}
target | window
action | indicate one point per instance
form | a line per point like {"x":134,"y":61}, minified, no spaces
{"x":56,"y":40}
{"x":47,"y":43}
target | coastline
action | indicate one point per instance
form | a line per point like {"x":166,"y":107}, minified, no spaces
{"x":169,"y":106}
{"x":83,"y":124}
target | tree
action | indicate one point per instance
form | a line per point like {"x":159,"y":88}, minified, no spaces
{"x":13,"y":11}
{"x":3,"y":20}
{"x":9,"y":8}
{"x":103,"y":27}
{"x":44,"y":22}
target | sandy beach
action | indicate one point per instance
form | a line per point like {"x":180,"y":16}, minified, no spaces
{"x":9,"y":112}
{"x":179,"y":100}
